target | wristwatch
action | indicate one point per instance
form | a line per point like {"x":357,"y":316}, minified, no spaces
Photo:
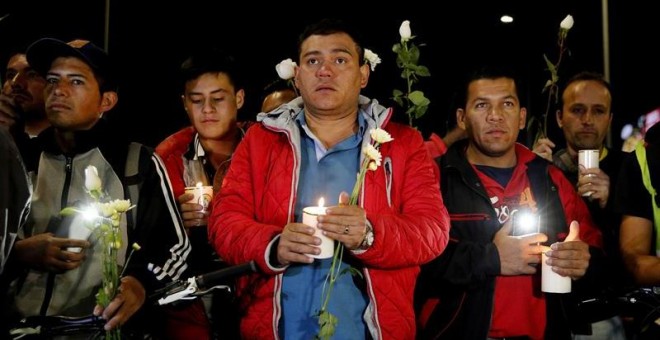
{"x":368,"y":239}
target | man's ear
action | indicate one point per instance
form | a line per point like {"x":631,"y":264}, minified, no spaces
{"x":240,"y":98}
{"x":460,"y":118}
{"x":108,"y":101}
{"x":523,"y":118}
{"x":296,"y":70}
{"x":365,"y":71}
{"x":183,"y":101}
{"x":558,"y":116}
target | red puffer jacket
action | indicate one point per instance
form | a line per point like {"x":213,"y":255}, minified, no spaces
{"x":171,"y":150}
{"x":401,"y":198}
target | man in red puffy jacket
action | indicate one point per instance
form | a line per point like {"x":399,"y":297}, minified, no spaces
{"x":311,"y":148}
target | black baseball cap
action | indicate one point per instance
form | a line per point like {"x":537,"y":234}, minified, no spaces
{"x":41,"y":54}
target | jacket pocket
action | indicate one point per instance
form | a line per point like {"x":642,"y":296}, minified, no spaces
{"x":387,"y":166}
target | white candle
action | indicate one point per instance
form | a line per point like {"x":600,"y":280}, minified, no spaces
{"x":552,"y":282}
{"x":310,"y":218}
{"x":203,"y":195}
{"x":588,"y":159}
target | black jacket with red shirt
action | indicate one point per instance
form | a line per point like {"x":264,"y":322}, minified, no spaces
{"x":454,"y":297}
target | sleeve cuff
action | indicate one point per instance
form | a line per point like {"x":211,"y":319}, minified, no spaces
{"x":270,"y":255}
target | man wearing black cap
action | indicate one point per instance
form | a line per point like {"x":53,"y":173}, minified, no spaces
{"x":80,"y":89}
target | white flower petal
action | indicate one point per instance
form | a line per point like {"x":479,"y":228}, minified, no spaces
{"x":121,"y":206}
{"x":404,"y":31}
{"x":372,"y":58}
{"x":567,"y":23}
{"x":372,"y":153}
{"x":92,"y":180}
{"x":380,"y":136}
{"x":286,"y":69}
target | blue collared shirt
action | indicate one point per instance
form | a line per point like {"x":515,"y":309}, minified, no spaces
{"x":323,"y":173}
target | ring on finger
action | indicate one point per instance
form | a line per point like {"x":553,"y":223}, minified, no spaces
{"x":346,"y":229}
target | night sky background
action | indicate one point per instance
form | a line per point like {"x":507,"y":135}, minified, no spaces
{"x":149,"y":46}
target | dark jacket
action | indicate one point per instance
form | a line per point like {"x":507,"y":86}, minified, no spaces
{"x":59,"y":182}
{"x":462,"y":279}
{"x":614,"y":279}
{"x":14,"y":196}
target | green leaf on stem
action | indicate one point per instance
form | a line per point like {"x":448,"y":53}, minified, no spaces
{"x":407,"y":58}
{"x":69,"y":211}
{"x":327,"y":323}
{"x":420,"y":111}
{"x":354,"y":272}
{"x":423,"y":71}
{"x":418,"y":98}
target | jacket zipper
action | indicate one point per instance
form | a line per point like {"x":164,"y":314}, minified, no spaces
{"x":50,"y":280}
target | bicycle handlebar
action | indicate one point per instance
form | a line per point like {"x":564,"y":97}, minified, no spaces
{"x":199,"y":285}
{"x":178,"y":290}
{"x":53,"y":325}
{"x":211,"y":279}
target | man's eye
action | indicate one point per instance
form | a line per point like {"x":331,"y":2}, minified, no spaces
{"x":33,"y":74}
{"x":77,"y":82}
{"x":312,"y":61}
{"x":340,"y":61}
{"x":51,"y":80}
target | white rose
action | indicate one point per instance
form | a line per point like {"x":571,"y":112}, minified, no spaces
{"x":567,"y":23}
{"x":404,"y":31}
{"x":286,"y":69}
{"x":373,"y":154}
{"x":372,"y":58}
{"x":380,"y":136}
{"x":373,"y":166}
{"x":92,"y":180}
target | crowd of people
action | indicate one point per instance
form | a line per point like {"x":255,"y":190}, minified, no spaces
{"x":428,"y":250}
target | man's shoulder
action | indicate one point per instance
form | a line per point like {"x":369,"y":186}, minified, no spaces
{"x":176,"y":142}
{"x":402,"y":132}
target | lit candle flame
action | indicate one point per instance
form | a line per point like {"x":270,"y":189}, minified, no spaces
{"x":321,"y":202}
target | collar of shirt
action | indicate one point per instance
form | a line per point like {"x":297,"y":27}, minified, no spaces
{"x":319,"y":147}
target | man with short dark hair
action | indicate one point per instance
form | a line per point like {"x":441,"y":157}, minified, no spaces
{"x":81,"y":88}
{"x":310,"y":148}
{"x":22,"y":97}
{"x":486,"y":283}
{"x":585,"y":118}
{"x":212,"y":93}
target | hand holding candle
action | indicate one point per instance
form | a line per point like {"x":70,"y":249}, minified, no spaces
{"x":310,"y":218}
{"x":203,"y":194}
{"x":552,"y":282}
{"x":568,"y":260}
{"x":588,"y":159}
